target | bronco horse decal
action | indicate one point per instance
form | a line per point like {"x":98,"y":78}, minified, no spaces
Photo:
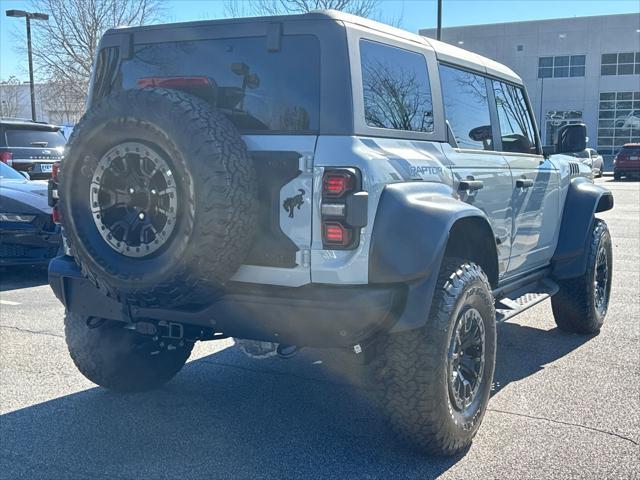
{"x":292,"y":202}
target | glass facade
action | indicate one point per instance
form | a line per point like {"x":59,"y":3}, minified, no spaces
{"x":618,"y":121}
{"x":627,"y":63}
{"x":561,"y":66}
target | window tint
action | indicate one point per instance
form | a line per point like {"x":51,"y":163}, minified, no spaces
{"x":466,"y":108}
{"x":22,"y":137}
{"x":257,"y":89}
{"x":396,"y":88}
{"x":8,"y":173}
{"x":516,"y":129}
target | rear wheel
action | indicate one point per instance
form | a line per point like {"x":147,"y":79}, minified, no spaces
{"x":581,"y":304}
{"x":121,"y":359}
{"x":435,"y":382}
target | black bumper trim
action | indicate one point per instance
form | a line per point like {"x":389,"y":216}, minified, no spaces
{"x":313,"y":315}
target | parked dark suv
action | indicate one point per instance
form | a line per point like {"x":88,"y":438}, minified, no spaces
{"x":627,"y":161}
{"x":31,"y":147}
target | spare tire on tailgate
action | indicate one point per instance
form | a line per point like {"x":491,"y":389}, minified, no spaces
{"x":158,"y":197}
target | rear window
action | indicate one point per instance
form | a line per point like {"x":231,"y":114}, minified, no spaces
{"x":8,"y":173}
{"x":21,"y":137}
{"x":259,"y":90}
{"x":630,"y":150}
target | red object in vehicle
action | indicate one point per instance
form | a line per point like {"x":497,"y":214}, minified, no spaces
{"x":6,"y":157}
{"x":173,"y":82}
{"x":627,"y":161}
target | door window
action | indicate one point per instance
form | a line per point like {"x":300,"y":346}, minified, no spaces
{"x":466,"y":107}
{"x":396,"y":88}
{"x":516,"y":128}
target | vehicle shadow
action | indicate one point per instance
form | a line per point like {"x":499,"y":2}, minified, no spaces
{"x":523,"y":351}
{"x":227,"y":416}
{"x":12,"y":278}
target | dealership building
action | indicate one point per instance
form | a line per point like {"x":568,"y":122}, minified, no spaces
{"x":583,"y":69}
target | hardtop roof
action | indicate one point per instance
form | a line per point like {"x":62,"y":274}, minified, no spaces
{"x":444,"y":52}
{"x":26,"y":123}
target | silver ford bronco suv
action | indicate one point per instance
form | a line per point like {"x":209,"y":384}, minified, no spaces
{"x":320,"y":180}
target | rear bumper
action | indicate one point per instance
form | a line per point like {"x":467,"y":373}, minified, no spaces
{"x":627,"y":169}
{"x":28,"y":247}
{"x":313,"y":315}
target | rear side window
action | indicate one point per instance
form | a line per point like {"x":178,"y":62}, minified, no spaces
{"x":22,"y":137}
{"x":258,"y":90}
{"x":396,"y":88}
{"x":516,"y":128}
{"x":467,"y":108}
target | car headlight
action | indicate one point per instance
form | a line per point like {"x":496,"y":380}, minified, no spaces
{"x":16,"y":217}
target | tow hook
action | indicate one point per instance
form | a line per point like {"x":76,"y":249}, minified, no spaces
{"x":286,"y":351}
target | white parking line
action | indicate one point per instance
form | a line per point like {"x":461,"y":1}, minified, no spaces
{"x":8,"y":302}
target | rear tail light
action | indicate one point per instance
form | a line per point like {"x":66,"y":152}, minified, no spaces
{"x":337,"y":183}
{"x":52,"y":191}
{"x":55,"y":171}
{"x":336,"y":235}
{"x":6,"y":157}
{"x":344,"y":208}
{"x":55,"y":215}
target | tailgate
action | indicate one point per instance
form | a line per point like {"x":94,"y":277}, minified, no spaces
{"x":281,"y":251}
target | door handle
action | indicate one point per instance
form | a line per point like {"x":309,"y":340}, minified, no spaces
{"x":470,"y":185}
{"x":524,"y":183}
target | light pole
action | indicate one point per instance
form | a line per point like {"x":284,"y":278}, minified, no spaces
{"x":28,"y":16}
{"x":439,"y":30}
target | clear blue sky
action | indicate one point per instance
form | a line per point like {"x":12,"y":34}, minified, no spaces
{"x":415,"y":14}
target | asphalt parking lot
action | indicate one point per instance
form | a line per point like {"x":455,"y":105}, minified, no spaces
{"x":564,"y":406}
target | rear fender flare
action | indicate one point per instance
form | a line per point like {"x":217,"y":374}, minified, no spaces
{"x":409,"y":240}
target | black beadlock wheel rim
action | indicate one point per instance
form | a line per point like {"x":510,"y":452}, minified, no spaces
{"x":134,"y":202}
{"x":466,"y":360}
{"x":601,"y":280}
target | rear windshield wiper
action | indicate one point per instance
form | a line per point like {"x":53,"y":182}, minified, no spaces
{"x":39,"y":144}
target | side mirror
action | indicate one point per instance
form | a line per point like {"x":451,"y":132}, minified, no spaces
{"x":572,"y":138}
{"x":25,"y":174}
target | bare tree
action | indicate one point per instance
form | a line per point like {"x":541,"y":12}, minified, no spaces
{"x":60,"y":102}
{"x":11,"y":96}
{"x":395,"y":99}
{"x":64,"y":46}
{"x":363,"y":8}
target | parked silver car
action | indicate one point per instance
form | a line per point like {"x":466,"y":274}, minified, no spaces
{"x":593,"y":159}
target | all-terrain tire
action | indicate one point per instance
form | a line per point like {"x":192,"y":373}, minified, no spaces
{"x":576,"y":307}
{"x":121,"y":359}
{"x":411,"y":368}
{"x":215,"y":192}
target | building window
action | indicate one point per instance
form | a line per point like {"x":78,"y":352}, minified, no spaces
{"x":618,"y":121}
{"x":620,"y":63}
{"x":561,"y":66}
{"x":556,"y":119}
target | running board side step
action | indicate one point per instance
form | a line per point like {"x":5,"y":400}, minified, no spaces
{"x":524,"y":298}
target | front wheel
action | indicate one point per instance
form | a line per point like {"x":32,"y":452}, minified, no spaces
{"x":120,"y":359}
{"x":581,"y":304}
{"x":435,"y":382}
